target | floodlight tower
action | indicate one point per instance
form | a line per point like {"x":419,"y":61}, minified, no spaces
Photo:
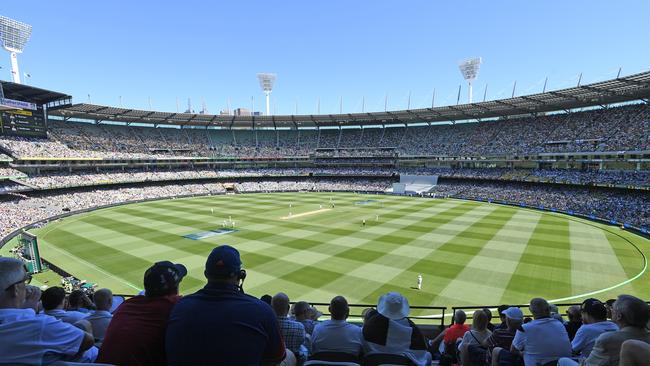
{"x":266,"y":82}
{"x":469,"y":69}
{"x":14,"y":35}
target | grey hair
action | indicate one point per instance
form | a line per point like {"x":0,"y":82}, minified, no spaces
{"x":460,"y":317}
{"x":634,"y":311}
{"x":539,"y":307}
{"x":11,"y":271}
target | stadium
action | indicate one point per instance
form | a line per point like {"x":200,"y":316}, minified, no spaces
{"x":460,"y":206}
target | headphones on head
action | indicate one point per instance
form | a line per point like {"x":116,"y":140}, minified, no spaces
{"x":241,"y":277}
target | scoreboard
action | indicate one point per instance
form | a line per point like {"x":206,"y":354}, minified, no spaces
{"x":23,"y":122}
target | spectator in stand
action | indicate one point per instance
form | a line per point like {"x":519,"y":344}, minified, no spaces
{"x":634,"y":353}
{"x":472,"y":351}
{"x":136,"y":333}
{"x":631,"y":314}
{"x":101,"y":317}
{"x":31,"y":339}
{"x":608,"y":305}
{"x":337,"y":335}
{"x":594,"y":316}
{"x":267,"y":299}
{"x":499,"y":343}
{"x":388,"y":330}
{"x":502,"y":316}
{"x":490,"y":326}
{"x":293,"y":332}
{"x":242,"y":329}
{"x":301,"y":311}
{"x":80,"y":302}
{"x":53,"y":299}
{"x":542,"y":340}
{"x":455,"y":332}
{"x":575,"y":321}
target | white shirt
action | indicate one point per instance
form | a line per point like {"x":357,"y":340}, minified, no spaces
{"x":66,"y":316}
{"x":468,"y":339}
{"x":586,"y":336}
{"x":99,"y":319}
{"x":398,"y":341}
{"x":543,"y":340}
{"x":31,"y":339}
{"x":337,"y":336}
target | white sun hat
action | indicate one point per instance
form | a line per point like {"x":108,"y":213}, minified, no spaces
{"x":393,"y":306}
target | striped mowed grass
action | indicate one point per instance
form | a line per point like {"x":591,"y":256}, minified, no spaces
{"x":469,"y":253}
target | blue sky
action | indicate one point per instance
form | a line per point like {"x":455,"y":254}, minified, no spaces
{"x":212,"y":50}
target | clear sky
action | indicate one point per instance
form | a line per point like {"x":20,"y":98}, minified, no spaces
{"x":212,"y":50}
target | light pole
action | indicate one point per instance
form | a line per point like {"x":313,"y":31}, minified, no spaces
{"x":14,"y":36}
{"x":469,"y":68}
{"x":266,"y":82}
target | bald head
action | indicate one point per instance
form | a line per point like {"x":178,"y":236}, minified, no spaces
{"x":280,"y":304}
{"x":540,"y":308}
{"x":339,"y":308}
{"x":103,"y":299}
{"x":460,"y":317}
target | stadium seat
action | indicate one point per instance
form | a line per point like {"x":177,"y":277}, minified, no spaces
{"x":329,"y":363}
{"x":379,"y":359}
{"x":334,"y":357}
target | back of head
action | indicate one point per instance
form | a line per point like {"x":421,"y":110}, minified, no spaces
{"x":223,"y":265}
{"x":488,"y":312}
{"x":573,"y":313}
{"x":501,"y":309}
{"x":540,"y":308}
{"x":75,"y":299}
{"x":479,"y":320}
{"x":594,"y":310}
{"x":339,"y":308}
{"x":52,"y":298}
{"x":266,"y":298}
{"x":103,"y":299}
{"x":460,"y":317}
{"x":11,"y":271}
{"x":301,"y":309}
{"x":631,"y":311}
{"x":280,"y":304}
{"x":163,"y":279}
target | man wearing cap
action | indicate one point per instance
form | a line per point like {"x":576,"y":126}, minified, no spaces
{"x":499,"y":343}
{"x":219,"y":324}
{"x":594,"y":317}
{"x":388,"y":330}
{"x":30,"y":339}
{"x":136,"y":333}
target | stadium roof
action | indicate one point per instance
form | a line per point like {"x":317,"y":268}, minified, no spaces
{"x":622,"y":89}
{"x":31,"y":94}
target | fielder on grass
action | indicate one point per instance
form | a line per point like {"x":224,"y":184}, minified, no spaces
{"x":419,"y":282}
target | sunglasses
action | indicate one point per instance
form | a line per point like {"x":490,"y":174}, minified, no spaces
{"x":27,"y":280}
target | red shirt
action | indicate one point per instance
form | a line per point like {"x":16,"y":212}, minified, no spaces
{"x":454,"y":332}
{"x":136,"y":334}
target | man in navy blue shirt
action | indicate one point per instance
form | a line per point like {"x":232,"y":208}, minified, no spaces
{"x":219,"y":324}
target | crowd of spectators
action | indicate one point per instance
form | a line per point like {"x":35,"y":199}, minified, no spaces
{"x":622,"y":128}
{"x":221,"y":324}
{"x":630,"y":207}
{"x":64,"y":178}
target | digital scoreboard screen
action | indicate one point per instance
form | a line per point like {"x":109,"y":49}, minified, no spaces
{"x":23,"y":122}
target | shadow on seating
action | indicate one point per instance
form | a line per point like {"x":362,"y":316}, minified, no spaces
{"x":378,"y":359}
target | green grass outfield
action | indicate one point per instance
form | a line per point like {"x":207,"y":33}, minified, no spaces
{"x":469,"y":253}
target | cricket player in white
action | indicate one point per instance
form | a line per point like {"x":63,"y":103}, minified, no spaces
{"x":419,"y":282}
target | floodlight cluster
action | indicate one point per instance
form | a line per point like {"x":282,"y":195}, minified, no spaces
{"x":14,"y":34}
